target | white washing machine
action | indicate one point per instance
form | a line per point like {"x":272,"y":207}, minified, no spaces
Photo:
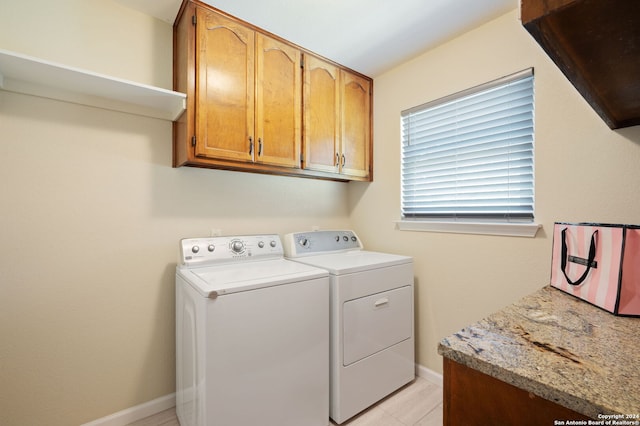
{"x":372,"y":333}
{"x":252,"y":335}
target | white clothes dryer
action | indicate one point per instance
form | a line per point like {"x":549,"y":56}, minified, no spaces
{"x":252,"y":335}
{"x":372,"y":318}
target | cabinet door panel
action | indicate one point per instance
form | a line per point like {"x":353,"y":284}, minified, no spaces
{"x":321,"y":115}
{"x":225,"y":88}
{"x":279,"y":97}
{"x":356,"y":125}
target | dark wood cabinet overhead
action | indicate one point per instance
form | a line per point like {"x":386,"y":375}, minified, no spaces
{"x":596,"y":44}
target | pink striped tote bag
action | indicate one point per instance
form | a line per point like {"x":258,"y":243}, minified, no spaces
{"x":598,"y":263}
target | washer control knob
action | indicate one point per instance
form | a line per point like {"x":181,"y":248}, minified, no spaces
{"x":195,"y":249}
{"x":261,"y":244}
{"x":353,"y":238}
{"x":337,"y":238}
{"x":345,"y":238}
{"x":303,"y":242}
{"x":211,"y":247}
{"x":237,"y":246}
{"x":273,"y":243}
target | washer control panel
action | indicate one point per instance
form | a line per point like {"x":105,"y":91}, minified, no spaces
{"x":318,"y":242}
{"x":200,"y":251}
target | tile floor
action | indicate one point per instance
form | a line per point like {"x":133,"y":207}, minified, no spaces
{"x":416,"y":404}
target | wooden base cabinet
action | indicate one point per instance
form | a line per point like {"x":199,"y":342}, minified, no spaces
{"x":473,"y":398}
{"x":245,"y":103}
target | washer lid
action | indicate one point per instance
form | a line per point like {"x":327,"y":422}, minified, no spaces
{"x":354,"y":261}
{"x":213,"y":281}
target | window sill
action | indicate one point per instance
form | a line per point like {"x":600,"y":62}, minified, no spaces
{"x":513,"y":229}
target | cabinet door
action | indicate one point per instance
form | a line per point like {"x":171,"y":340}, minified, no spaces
{"x":321,"y":115}
{"x":278,"y":102}
{"x":225,"y":54}
{"x":356,"y":125}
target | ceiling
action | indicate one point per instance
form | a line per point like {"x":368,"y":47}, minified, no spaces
{"x":369,"y":36}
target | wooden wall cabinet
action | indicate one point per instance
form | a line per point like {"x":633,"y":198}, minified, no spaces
{"x":245,"y":108}
{"x":356,"y":126}
{"x":225,"y":88}
{"x":596,"y":44}
{"x":337,"y":105}
{"x":247,"y":94}
{"x":321,"y":115}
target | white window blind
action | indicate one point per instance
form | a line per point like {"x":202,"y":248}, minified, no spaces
{"x":469,"y":156}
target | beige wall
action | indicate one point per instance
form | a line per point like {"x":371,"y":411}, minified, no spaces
{"x":92,"y":214}
{"x":92,"y":211}
{"x":583,"y":171}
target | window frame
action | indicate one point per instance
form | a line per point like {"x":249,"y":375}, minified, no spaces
{"x":458,"y":223}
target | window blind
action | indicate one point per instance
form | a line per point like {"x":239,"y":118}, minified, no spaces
{"x":470,"y":155}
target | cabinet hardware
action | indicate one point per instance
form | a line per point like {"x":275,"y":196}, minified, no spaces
{"x":344,"y":160}
{"x":337,"y":159}
{"x":193,"y":141}
{"x":250,"y":145}
{"x":259,"y":147}
{"x":194,"y":19}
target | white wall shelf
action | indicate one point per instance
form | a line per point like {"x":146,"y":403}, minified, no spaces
{"x":24,"y":74}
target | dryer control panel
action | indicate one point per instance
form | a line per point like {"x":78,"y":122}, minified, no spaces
{"x":205,"y":251}
{"x":318,"y":242}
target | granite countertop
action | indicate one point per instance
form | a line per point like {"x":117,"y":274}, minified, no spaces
{"x":559,"y":348}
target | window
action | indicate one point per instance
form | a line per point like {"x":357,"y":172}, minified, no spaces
{"x":469,"y":156}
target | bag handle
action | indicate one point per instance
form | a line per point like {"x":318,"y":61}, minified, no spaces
{"x":592,"y":256}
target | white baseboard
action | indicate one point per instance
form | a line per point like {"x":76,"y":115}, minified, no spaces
{"x":429,"y":375}
{"x":130,"y":415}
{"x":133,"y":414}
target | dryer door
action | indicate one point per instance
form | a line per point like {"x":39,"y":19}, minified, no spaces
{"x":374,"y":323}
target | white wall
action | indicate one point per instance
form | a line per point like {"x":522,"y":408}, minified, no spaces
{"x":583,"y":171}
{"x":92,"y":213}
